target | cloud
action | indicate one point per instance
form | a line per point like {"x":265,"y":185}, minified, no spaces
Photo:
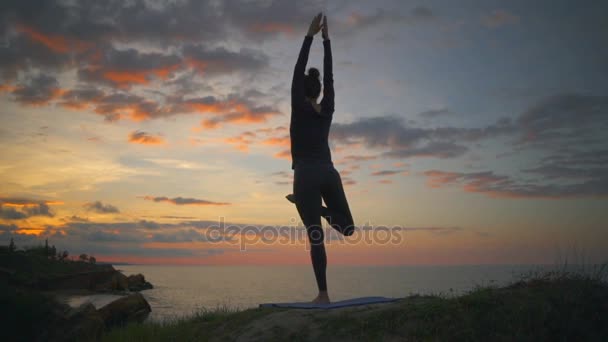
{"x":191,"y":37}
{"x":499,"y":186}
{"x":498,"y":18}
{"x":12,"y":208}
{"x":220,"y":61}
{"x":143,"y":138}
{"x":381,"y":16}
{"x":554,"y":124}
{"x":183,"y":201}
{"x":388,"y":172}
{"x":399,"y":140}
{"x":124,"y":68}
{"x":242,"y":141}
{"x":284,"y":177}
{"x":38,"y":90}
{"x":232,"y":109}
{"x":356,"y":158}
{"x":99,"y":207}
{"x":565,"y":119}
{"x":439,"y":230}
{"x":433,"y":113}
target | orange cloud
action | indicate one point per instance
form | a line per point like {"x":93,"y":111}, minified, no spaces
{"x":272,"y":27}
{"x":284,"y":154}
{"x":241,"y":141}
{"x":54,"y":42}
{"x":127,"y":78}
{"x":31,"y":231}
{"x":231,"y":111}
{"x":7,"y":88}
{"x":183,"y":201}
{"x":438,"y":179}
{"x":21,"y":203}
{"x":139,"y":137}
{"x":283,"y":141}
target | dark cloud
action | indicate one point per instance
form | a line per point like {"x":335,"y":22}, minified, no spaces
{"x":22,"y":208}
{"x":565,"y":119}
{"x":499,"y":186}
{"x":9,"y":213}
{"x":37,"y":90}
{"x":422,"y":12}
{"x":381,"y":16}
{"x":90,"y":20}
{"x":222,"y":61}
{"x":8,"y":228}
{"x":498,"y":18}
{"x":232,"y":109}
{"x":433,"y":113}
{"x":140,"y":137}
{"x":75,"y":218}
{"x":99,"y":207}
{"x":183,"y":201}
{"x":432,"y":229}
{"x":123,"y":68}
{"x":401,"y":141}
{"x":261,"y":20}
{"x":20,"y":53}
{"x":437,"y":149}
{"x":387,"y":172}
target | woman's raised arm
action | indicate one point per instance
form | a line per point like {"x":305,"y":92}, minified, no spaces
{"x":297,"y":82}
{"x":327,"y":103}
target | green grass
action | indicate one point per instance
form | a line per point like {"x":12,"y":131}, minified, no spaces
{"x":561,"y":305}
{"x":23,"y":313}
{"x":205,"y":324}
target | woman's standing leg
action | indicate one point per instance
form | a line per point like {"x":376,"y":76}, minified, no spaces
{"x":337,"y":212}
{"x":307,"y":192}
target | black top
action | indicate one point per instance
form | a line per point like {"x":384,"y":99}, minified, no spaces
{"x":309,"y":129}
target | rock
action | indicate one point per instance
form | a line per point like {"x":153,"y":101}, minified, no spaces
{"x":137,"y":282}
{"x":132,"y":308}
{"x":107,"y":279}
{"x":115,"y":282}
{"x":83,"y":323}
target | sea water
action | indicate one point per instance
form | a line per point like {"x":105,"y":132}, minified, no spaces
{"x":183,"y":290}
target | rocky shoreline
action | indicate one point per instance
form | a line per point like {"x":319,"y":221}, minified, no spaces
{"x":36,"y":290}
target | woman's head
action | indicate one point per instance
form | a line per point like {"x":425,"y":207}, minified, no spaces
{"x":312,"y":85}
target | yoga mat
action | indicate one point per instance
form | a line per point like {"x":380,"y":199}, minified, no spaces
{"x":333,"y":305}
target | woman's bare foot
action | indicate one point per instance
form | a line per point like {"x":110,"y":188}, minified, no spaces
{"x":322,"y":298}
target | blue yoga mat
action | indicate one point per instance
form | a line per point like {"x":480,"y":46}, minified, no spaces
{"x":333,"y":305}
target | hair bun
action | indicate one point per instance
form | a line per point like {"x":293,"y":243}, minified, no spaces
{"x":314,"y":72}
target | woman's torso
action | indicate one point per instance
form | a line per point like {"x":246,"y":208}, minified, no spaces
{"x":309,"y":133}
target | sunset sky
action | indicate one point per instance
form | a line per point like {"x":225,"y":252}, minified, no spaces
{"x":477,"y":127}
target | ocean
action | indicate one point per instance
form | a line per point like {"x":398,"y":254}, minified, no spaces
{"x":181,"y":290}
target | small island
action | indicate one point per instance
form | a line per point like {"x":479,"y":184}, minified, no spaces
{"x":35,"y":279}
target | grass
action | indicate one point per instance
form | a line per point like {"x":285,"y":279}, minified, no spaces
{"x":23,"y":313}
{"x":203,"y":325}
{"x":560,"y":305}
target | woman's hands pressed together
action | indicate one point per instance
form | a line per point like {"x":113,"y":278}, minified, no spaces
{"x":315,"y":25}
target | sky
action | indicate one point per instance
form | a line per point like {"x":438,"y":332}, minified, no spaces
{"x":469,"y":132}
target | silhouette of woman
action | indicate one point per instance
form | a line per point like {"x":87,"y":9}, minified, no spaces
{"x":315,"y":177}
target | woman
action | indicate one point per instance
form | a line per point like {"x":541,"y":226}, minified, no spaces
{"x":314,"y":174}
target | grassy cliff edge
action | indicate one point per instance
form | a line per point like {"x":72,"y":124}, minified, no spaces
{"x":551,"y":306}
